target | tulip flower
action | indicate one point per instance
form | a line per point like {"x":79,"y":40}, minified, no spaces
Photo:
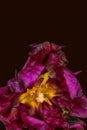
{"x":44,"y":94}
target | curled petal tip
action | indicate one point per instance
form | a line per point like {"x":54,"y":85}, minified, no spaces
{"x":77,"y":72}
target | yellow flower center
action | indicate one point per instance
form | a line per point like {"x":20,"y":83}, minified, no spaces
{"x":43,"y":92}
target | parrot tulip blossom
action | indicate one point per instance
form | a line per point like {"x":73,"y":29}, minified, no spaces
{"x":44,"y":94}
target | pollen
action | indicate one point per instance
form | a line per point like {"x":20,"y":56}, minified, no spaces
{"x":43,"y":92}
{"x":40,"y":98}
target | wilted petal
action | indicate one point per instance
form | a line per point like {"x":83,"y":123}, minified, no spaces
{"x":5,"y":121}
{"x":4,"y":90}
{"x":15,"y":86}
{"x":13,"y":126}
{"x":34,"y":122}
{"x":29,"y":75}
{"x":79,"y":107}
{"x":77,"y":126}
{"x":4,"y":107}
{"x":73,"y":85}
{"x":6,"y":95}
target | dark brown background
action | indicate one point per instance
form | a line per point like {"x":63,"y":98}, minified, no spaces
{"x":22,"y":24}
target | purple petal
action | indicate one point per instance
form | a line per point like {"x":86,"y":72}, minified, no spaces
{"x":73,"y":85}
{"x":77,"y":126}
{"x":79,"y":107}
{"x":6,"y":95}
{"x":29,"y":75}
{"x":4,"y":107}
{"x":15,"y":85}
{"x":34,"y":122}
{"x":13,"y":126}
{"x":4,"y":90}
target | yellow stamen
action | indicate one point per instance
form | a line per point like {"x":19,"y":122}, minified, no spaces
{"x":39,"y":94}
{"x":64,"y":112}
{"x":45,"y":78}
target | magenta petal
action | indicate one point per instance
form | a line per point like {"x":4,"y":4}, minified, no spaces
{"x":4,"y":120}
{"x":73,"y":85}
{"x":77,"y":126}
{"x":34,"y":122}
{"x":13,"y":126}
{"x":30,"y":75}
{"x":4,"y":90}
{"x":6,"y":95}
{"x":4,"y":107}
{"x":14,"y":85}
{"x":79,"y":107}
